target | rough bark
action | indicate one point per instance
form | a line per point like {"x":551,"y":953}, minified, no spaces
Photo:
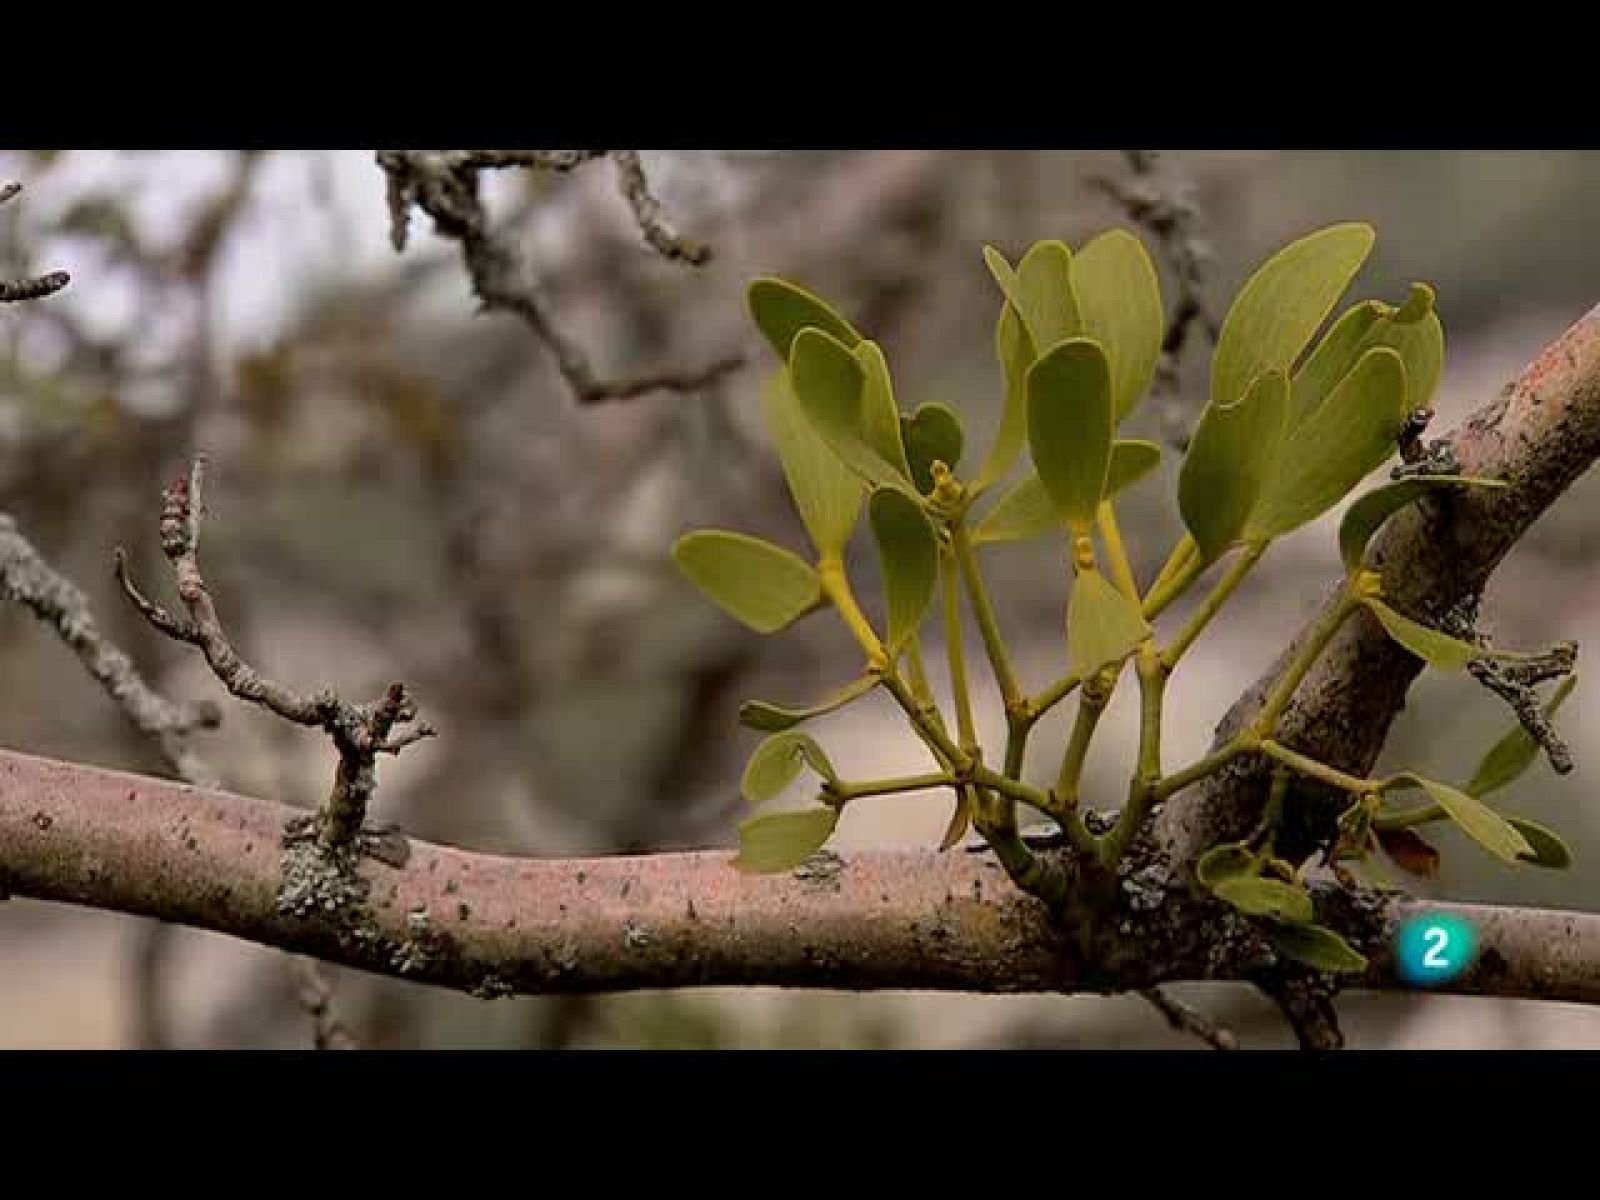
{"x":499,"y":925}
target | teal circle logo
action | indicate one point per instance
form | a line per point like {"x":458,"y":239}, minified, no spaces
{"x":1434,"y":948}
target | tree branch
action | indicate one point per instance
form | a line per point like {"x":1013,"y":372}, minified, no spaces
{"x":1539,"y":435}
{"x":444,"y":184}
{"x":498,"y":925}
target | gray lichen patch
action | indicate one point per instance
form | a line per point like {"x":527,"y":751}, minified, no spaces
{"x":821,"y":870}
{"x":492,"y":987}
{"x":320,"y":881}
{"x":416,"y":951}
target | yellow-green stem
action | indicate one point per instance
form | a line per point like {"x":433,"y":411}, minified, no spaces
{"x":931,"y":731}
{"x":1272,"y":814}
{"x":1182,"y":567}
{"x":966,"y":728}
{"x":1212,"y":604}
{"x":1052,"y":696}
{"x":1117,"y":552}
{"x":836,"y":586}
{"x":889,"y":787}
{"x":1171,"y":785}
{"x":1317,"y":640}
{"x":917,"y":677}
{"x":1310,"y":767}
{"x":1091,"y":706}
{"x":1142,"y":795}
{"x":983,"y":611}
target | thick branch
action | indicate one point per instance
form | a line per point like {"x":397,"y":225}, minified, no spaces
{"x":1539,"y":435}
{"x":497,"y":925}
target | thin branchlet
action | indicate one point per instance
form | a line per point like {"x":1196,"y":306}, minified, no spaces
{"x":1187,"y":1020}
{"x":1514,"y":679}
{"x":32,"y":287}
{"x":444,"y":184}
{"x":359,"y":732}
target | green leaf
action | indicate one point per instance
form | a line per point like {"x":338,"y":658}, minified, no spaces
{"x":932,"y":434}
{"x":782,"y":309}
{"x":1318,"y":947}
{"x":1476,"y":819}
{"x":1514,"y":753}
{"x":1283,"y":304}
{"x":909,"y":549}
{"x":832,"y":386}
{"x":1005,"y":275}
{"x":777,"y":762}
{"x":1026,"y":511}
{"x":827,"y":493}
{"x":1419,"y":342}
{"x":1257,"y":897}
{"x":1437,"y":649}
{"x":1119,"y":305}
{"x":774,"y":718}
{"x":1363,"y":518}
{"x":1224,"y":862}
{"x":880,"y":415}
{"x":1548,"y":850}
{"x":1103,"y":625}
{"x":1131,"y":460}
{"x":783,"y":841}
{"x":1014,"y":347}
{"x":762,"y":585}
{"x":1069,"y":428}
{"x":1231,"y":457}
{"x":1044,"y":294}
{"x":1336,"y":447}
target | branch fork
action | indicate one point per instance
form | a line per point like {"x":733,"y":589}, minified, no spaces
{"x":360,"y":732}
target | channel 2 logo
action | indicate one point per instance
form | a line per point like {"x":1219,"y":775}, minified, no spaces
{"x":1434,"y":948}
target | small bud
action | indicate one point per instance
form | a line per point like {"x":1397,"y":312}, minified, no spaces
{"x":1083,"y":552}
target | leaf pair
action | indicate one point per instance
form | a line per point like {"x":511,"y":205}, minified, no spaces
{"x":1251,"y":475}
{"x":1502,"y":764}
{"x":845,"y":391}
{"x":1277,"y":445}
{"x":762,"y":585}
{"x":1232,"y":872}
{"x":1108,"y":293}
{"x":782,"y":841}
{"x":1026,"y":511}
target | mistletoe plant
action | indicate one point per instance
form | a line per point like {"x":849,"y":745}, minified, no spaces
{"x":1292,"y":425}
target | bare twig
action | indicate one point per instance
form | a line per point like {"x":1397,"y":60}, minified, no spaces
{"x":1186,"y":1020}
{"x":1162,"y":207}
{"x":316,"y":997}
{"x":652,"y":219}
{"x":1513,"y":682}
{"x":360,"y":732}
{"x":35,"y":287}
{"x":444,"y":184}
{"x":27,"y":579}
